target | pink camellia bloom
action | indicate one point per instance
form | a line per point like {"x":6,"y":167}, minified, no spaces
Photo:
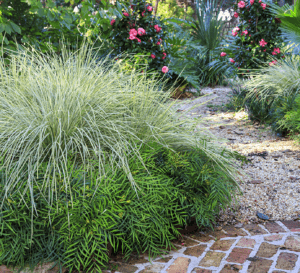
{"x":141,"y":31}
{"x":112,"y":21}
{"x":234,"y":33}
{"x":157,"y":28}
{"x":241,"y":4}
{"x":152,"y":56}
{"x":251,"y":2}
{"x":236,"y":15}
{"x":245,"y":32}
{"x":265,"y":50}
{"x":259,"y":1}
{"x":132,"y":37}
{"x":165,"y":69}
{"x":249,"y":35}
{"x":262,"y":43}
{"x":149,"y":8}
{"x":223,"y":54}
{"x":133,"y":32}
{"x":273,"y":63}
{"x":277,"y":49}
{"x":158,"y":43}
{"x":125,"y":14}
{"x":139,"y":40}
{"x":143,"y":13}
{"x":263,"y":5}
{"x":165,"y":55}
{"x":231,"y":60}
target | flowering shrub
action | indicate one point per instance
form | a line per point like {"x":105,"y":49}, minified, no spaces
{"x":257,"y":36}
{"x":139,"y":32}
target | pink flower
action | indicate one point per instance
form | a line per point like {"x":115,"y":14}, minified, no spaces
{"x":223,"y":54}
{"x":277,"y":50}
{"x":132,"y":37}
{"x":251,"y":2}
{"x":141,"y":31}
{"x":133,"y":32}
{"x":157,"y":28}
{"x":273,"y":63}
{"x":265,"y":50}
{"x":149,"y":8}
{"x":262,"y":43}
{"x":236,"y":15}
{"x":249,"y":35}
{"x":125,"y":14}
{"x":152,"y":56}
{"x":259,"y":1}
{"x":165,"y":69}
{"x":241,"y":4}
{"x":263,"y":5}
{"x":231,"y":60}
{"x":139,"y":40}
{"x":143,"y":13}
{"x":235,"y":31}
{"x":165,"y":55}
{"x":245,"y":32}
{"x":112,"y":21}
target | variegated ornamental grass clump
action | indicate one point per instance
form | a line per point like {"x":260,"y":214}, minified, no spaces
{"x":95,"y":158}
{"x":75,"y":108}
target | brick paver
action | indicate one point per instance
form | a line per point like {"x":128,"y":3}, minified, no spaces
{"x":273,"y":227}
{"x":223,"y":245}
{"x":180,"y":265}
{"x":227,"y":250}
{"x":238,"y":255}
{"x":212,"y":259}
{"x":267,"y":250}
{"x":286,"y":261}
{"x":259,"y":265}
{"x":246,"y":242}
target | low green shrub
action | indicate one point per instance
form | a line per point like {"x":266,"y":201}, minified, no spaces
{"x":93,"y":216}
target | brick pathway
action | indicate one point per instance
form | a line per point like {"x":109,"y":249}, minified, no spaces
{"x":273,"y":247}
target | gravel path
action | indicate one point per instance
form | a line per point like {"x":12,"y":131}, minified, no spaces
{"x":272,"y":180}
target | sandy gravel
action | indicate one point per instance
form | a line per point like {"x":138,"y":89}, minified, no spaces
{"x":272,"y":180}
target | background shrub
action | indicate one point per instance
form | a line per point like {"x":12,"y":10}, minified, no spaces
{"x":257,"y":36}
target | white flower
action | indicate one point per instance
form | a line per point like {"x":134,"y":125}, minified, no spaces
{"x":76,"y":9}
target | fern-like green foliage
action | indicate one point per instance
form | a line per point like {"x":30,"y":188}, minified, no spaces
{"x":107,"y":214}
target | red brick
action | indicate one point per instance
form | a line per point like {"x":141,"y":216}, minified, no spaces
{"x":293,"y":243}
{"x":201,"y":237}
{"x":231,"y":268}
{"x":164,"y":260}
{"x":239,"y":255}
{"x":180,"y":265}
{"x":255,"y":229}
{"x":195,"y":250}
{"x":231,"y":231}
{"x":286,"y":261}
{"x":212,"y":259}
{"x":267,"y":250}
{"x":245,"y":242}
{"x":259,"y":265}
{"x":222,"y":245}
{"x":291,"y":224}
{"x":273,"y":238}
{"x":273,"y":227}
